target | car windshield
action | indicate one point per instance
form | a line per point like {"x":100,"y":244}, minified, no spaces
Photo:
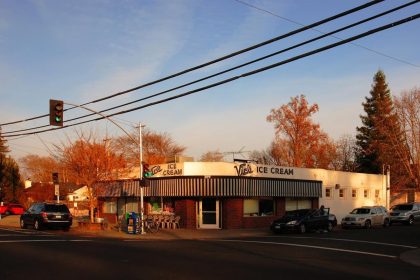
{"x":360,"y":211}
{"x":56,"y":208}
{"x":403,"y":207}
{"x":297,"y":213}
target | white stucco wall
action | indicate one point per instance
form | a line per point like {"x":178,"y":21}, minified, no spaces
{"x":335,"y":180}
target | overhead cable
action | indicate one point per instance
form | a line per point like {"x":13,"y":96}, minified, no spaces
{"x":358,"y":8}
{"x":230,"y":69}
{"x":250,"y":73}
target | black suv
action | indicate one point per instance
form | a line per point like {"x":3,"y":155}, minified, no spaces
{"x":44,"y":214}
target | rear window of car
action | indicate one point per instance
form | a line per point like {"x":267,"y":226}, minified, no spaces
{"x":403,"y":207}
{"x":56,"y":208}
{"x":360,"y":211}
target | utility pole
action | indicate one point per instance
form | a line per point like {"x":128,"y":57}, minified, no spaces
{"x":141,"y":178}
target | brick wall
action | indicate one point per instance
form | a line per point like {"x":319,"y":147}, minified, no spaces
{"x":232,"y":213}
{"x":185,"y":208}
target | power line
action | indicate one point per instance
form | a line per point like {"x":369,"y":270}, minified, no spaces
{"x":233,"y":68}
{"x":319,"y":31}
{"x":250,"y":73}
{"x":358,"y":8}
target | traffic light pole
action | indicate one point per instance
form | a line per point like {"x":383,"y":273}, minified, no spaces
{"x":141,"y":179}
{"x":140,"y":152}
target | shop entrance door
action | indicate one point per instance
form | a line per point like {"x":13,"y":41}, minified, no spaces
{"x":209,"y":213}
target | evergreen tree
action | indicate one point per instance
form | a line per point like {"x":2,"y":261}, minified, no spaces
{"x":373,"y":144}
{"x":3,"y":147}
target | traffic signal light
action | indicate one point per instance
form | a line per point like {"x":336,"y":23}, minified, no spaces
{"x":55,"y":177}
{"x":146,"y":170}
{"x":56,"y":112}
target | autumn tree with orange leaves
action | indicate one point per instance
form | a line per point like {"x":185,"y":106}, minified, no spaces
{"x":299,"y":141}
{"x":88,"y":161}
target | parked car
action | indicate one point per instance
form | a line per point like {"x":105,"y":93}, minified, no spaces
{"x":44,"y":214}
{"x":405,"y":213}
{"x":333,"y":219}
{"x":366,"y":217}
{"x":303,"y":220}
{"x":3,"y":209}
{"x":14,"y":209}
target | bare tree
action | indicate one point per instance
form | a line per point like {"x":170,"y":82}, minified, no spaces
{"x":345,"y":156}
{"x":263,"y":157}
{"x":39,"y":168}
{"x":212,"y":156}
{"x":408,"y":150}
{"x":156,"y":147}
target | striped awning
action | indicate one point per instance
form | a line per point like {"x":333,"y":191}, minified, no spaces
{"x":212,"y":187}
{"x":231,"y":187}
{"x":117,"y":188}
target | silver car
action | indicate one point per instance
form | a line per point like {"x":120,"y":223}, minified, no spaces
{"x":405,"y":213}
{"x":366,"y":217}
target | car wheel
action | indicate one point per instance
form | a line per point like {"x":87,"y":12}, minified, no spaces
{"x":302,"y":228}
{"x":22,"y":224}
{"x":329,"y":227}
{"x":410,"y":221}
{"x":37,"y":226}
{"x":368,"y":224}
{"x":386,"y":223}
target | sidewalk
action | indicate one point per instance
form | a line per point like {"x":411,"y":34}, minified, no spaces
{"x":163,"y":234}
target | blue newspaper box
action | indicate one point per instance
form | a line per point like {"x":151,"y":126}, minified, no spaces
{"x":132,"y":223}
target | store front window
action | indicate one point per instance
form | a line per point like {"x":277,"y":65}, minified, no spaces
{"x":258,"y":207}
{"x":110,"y":206}
{"x":158,"y":205}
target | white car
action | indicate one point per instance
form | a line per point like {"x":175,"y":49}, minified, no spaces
{"x":366,"y":217}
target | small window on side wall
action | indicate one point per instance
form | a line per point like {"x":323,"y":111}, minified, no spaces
{"x":366,"y":193}
{"x":354,"y":193}
{"x":328,"y":192}
{"x":377,"y":193}
{"x":341,"y":193}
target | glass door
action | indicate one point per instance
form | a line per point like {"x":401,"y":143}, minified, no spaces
{"x":209,"y":213}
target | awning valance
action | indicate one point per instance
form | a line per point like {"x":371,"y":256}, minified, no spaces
{"x":213,"y":187}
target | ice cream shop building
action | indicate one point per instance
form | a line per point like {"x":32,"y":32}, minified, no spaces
{"x":222,"y":195}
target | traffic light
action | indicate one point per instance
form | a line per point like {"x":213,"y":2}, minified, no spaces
{"x":56,"y":112}
{"x":146,"y":171}
{"x":55,"y":177}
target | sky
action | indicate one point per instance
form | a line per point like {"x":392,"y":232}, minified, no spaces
{"x":78,"y":51}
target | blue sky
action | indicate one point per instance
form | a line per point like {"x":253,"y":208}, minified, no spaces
{"x":81,"y":50}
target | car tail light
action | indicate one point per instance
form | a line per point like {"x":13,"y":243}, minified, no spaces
{"x":44,"y":215}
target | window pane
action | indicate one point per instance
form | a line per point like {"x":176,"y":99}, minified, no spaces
{"x":266,"y":207}
{"x":250,"y":207}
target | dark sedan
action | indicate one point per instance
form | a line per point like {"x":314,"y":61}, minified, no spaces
{"x":303,"y":220}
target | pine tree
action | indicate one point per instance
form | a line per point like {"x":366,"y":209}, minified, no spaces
{"x":3,"y":147}
{"x":374,"y":146}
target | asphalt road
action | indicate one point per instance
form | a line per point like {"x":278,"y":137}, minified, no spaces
{"x":379,"y":253}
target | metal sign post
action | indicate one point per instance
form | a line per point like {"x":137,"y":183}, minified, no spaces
{"x":57,"y":192}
